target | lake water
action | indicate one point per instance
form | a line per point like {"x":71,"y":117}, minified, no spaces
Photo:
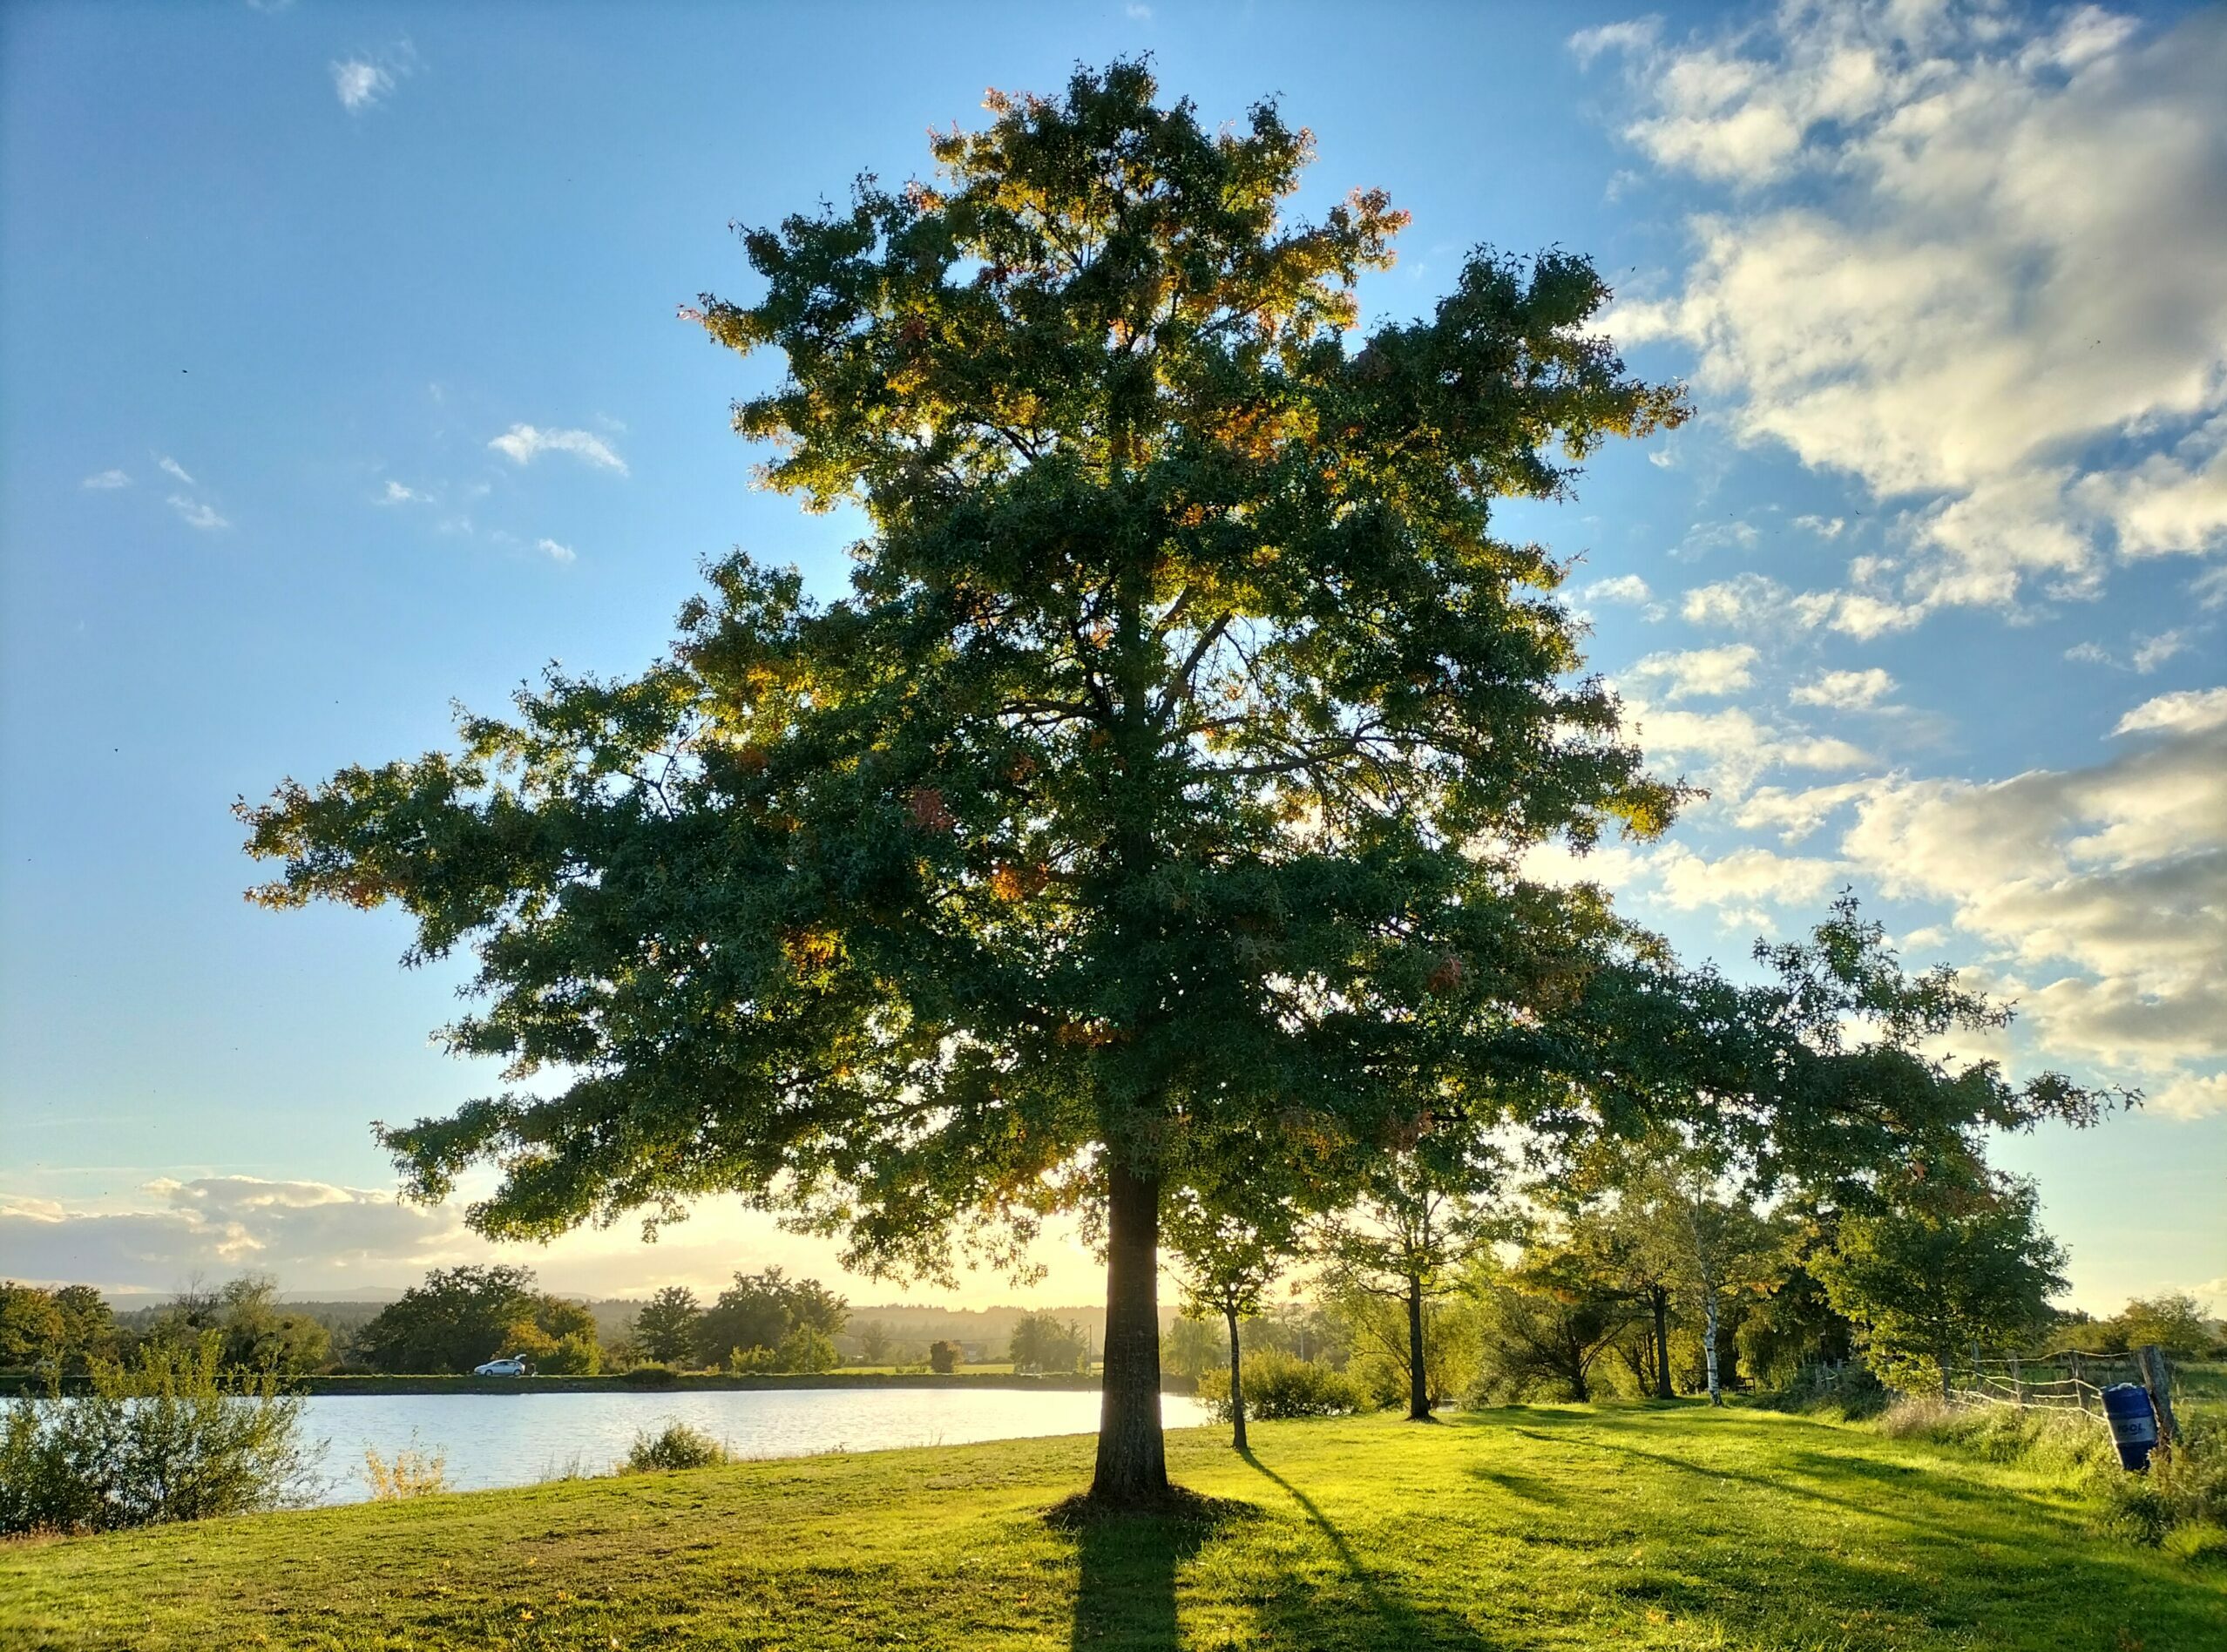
{"x":514,"y":1439}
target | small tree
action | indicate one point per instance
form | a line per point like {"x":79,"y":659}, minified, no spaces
{"x":668,"y":1327}
{"x":945,"y":1358}
{"x":1695,"y":1230}
{"x":1226,"y":1263}
{"x":1041,"y":1343}
{"x":873,"y":1339}
{"x":1424,"y":1215}
{"x":1547,"y":1322}
{"x":2175,"y":1322}
{"x":33,"y":1329}
{"x":1948,"y":1260}
{"x":763,"y":1309}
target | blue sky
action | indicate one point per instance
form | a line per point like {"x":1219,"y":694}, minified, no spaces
{"x":340,"y":377}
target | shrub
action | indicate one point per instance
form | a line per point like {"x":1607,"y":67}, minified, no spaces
{"x":2181,"y":1500}
{"x":1278,"y":1385}
{"x":573,"y":1355}
{"x":678,"y":1447}
{"x":945,"y":1358}
{"x":166,"y":1438}
{"x":652,"y":1376}
{"x":752,"y":1361}
{"x":806,"y":1349}
{"x":411,"y":1472}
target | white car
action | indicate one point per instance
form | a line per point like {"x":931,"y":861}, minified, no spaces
{"x":511,"y":1367}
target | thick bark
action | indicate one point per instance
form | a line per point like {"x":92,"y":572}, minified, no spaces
{"x":1708,"y":1315}
{"x":1132,"y":1457}
{"x":1662,"y":1303}
{"x":1418,"y":1383}
{"x":1236,"y":1385}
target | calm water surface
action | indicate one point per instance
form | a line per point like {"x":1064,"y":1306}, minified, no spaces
{"x":514,"y":1439}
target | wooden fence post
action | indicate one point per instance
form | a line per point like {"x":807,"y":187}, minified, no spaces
{"x":2073,"y":1363}
{"x":2157,"y":1377}
{"x":2018,"y":1380}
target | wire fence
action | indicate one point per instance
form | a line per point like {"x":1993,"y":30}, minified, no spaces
{"x":2070,"y":1381}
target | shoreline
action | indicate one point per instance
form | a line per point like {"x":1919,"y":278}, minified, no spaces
{"x":14,"y":1386}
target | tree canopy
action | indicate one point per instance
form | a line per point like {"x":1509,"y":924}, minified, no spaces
{"x":1147,"y":818}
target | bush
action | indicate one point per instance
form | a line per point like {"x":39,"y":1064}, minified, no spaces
{"x":2182,"y":1502}
{"x":945,"y":1358}
{"x":678,"y":1447}
{"x":806,"y":1349}
{"x":1278,"y":1385}
{"x":412,"y":1473}
{"x":752,"y":1361}
{"x":652,"y":1376}
{"x":166,"y":1438}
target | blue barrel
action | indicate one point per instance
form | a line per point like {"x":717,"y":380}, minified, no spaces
{"x":2134,"y":1423}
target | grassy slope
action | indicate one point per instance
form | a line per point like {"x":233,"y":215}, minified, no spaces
{"x":1545,"y":1528}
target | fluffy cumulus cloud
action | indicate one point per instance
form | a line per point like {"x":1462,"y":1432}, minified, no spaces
{"x":1968,"y":257}
{"x":1845,"y":690}
{"x":2097,"y":895}
{"x":1700,"y":673}
{"x":522,"y":443}
{"x":308,"y":1233}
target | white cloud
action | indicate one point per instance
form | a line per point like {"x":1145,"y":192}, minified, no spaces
{"x":2105,"y":888}
{"x":1743,"y":886}
{"x":1823,"y":527}
{"x":555,"y":552}
{"x":364,"y":79}
{"x":195,"y":513}
{"x":1624,"y":587}
{"x":397,"y":494}
{"x":2154,"y":651}
{"x":1845,"y":690}
{"x":102,"y":481}
{"x":2192,"y":711}
{"x":361,"y":83}
{"x":1970,"y":261}
{"x":171,"y":467}
{"x":2188,"y":1097}
{"x":1705,"y":672}
{"x":1731,"y":748}
{"x":1137,"y":13}
{"x":521,"y":443}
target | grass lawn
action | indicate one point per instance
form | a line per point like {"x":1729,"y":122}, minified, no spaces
{"x":1636,"y":1527}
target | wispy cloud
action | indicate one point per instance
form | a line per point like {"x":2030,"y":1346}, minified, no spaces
{"x":197,"y":513}
{"x":101,"y":481}
{"x":397,"y":494}
{"x":522,"y":443}
{"x":555,"y":552}
{"x":171,"y":467}
{"x":361,"y":81}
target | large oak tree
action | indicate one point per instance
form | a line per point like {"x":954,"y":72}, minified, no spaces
{"x":1148,"y":816}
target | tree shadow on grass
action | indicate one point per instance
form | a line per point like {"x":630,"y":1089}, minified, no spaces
{"x":1399,"y":1622}
{"x":1125,"y":1591}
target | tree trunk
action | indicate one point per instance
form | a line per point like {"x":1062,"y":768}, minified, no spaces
{"x":1662,"y":1304}
{"x":1418,"y":1385}
{"x":1132,"y":1457}
{"x":1708,"y":1313}
{"x":1236,"y":1385}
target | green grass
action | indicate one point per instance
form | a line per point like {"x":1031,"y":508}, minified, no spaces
{"x":1564,"y":1527}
